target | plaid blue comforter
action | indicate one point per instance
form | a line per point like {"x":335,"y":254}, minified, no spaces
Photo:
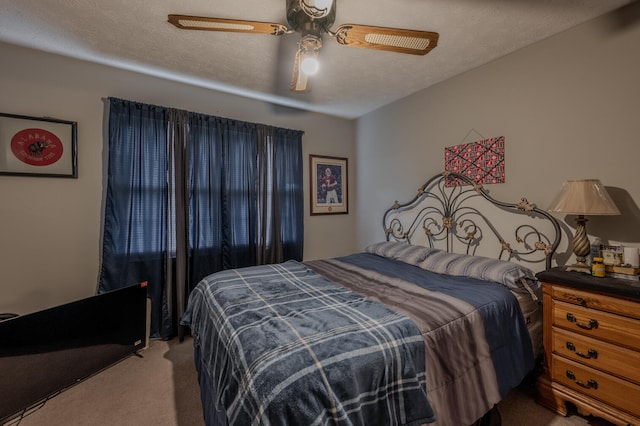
{"x":283,"y":345}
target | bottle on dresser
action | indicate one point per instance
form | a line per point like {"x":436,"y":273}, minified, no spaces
{"x":596,"y":249}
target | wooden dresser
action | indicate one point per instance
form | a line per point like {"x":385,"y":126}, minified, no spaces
{"x":591,"y":346}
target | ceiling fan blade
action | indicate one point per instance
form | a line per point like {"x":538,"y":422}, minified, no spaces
{"x":228,"y":25}
{"x":392,"y":39}
{"x":299,"y":81}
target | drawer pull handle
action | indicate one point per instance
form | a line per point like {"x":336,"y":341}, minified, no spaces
{"x":591,"y":384}
{"x":591,"y":353}
{"x":592,"y":323}
{"x":578,"y":299}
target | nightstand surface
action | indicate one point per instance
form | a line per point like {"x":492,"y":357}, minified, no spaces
{"x":613,"y":286}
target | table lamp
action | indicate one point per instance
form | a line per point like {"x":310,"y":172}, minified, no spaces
{"x":583,"y":197}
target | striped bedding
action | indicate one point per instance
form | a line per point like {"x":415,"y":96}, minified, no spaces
{"x":366,"y":339}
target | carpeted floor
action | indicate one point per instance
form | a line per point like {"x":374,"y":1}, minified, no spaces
{"x":161,"y":389}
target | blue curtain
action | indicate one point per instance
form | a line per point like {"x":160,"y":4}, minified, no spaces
{"x":288,"y":187}
{"x":136,"y":214}
{"x":188,"y":195}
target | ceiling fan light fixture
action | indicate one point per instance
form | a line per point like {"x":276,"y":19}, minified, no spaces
{"x":316,"y":9}
{"x":309,"y":49}
{"x":309,"y":64}
{"x":305,"y":63}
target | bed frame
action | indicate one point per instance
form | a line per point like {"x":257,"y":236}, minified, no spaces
{"x":454,"y":213}
{"x":443,"y":215}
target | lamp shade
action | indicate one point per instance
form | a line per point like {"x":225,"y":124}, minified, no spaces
{"x":583,"y":197}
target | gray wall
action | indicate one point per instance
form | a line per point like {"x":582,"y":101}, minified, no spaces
{"x":567,"y":106}
{"x":50,"y":228}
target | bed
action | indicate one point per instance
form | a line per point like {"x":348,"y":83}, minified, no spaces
{"x":434,"y":324}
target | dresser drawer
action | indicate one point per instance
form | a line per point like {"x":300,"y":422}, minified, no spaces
{"x":612,"y":328}
{"x":597,"y":301}
{"x":603,"y":356}
{"x":599,"y":385}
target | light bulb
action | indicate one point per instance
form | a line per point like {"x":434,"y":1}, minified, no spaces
{"x":309,"y":65}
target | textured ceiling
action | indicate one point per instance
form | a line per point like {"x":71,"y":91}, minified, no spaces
{"x":135,"y":35}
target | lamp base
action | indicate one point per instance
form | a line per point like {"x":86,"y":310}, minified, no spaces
{"x":581,"y":247}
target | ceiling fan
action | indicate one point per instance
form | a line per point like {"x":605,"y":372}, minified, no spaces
{"x":312,"y":19}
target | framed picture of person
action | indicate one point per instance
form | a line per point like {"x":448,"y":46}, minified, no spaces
{"x":329,"y":186}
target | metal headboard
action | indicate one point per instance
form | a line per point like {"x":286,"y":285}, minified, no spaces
{"x":466,"y":219}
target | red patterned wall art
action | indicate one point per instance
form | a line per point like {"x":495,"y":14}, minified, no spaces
{"x":482,"y":161}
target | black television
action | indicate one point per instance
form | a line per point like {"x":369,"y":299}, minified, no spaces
{"x":44,"y":352}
